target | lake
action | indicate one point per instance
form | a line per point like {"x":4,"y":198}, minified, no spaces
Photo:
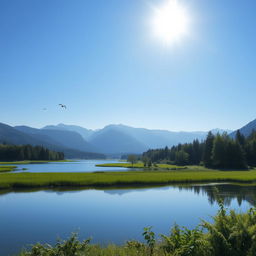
{"x":76,"y":166}
{"x":112,"y":215}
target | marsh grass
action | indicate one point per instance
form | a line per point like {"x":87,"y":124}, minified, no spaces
{"x":122,"y":179}
{"x":139,"y":165}
{"x":7,"y":168}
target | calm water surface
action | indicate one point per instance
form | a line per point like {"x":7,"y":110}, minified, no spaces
{"x":115,"y":215}
{"x":76,"y":166}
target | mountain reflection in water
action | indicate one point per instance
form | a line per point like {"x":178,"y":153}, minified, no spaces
{"x":227,"y":192}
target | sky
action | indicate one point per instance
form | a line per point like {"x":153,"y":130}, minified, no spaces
{"x":101,"y":59}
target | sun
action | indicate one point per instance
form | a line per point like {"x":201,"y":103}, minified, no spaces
{"x":170,"y":22}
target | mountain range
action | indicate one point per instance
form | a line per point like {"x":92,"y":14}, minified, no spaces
{"x":71,"y":143}
{"x":118,"y":139}
{"x":246,"y":130}
{"x":112,"y":140}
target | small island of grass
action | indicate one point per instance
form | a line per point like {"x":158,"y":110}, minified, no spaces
{"x":140,"y":165}
{"x":7,"y":168}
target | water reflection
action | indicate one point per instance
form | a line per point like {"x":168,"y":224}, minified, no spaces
{"x":227,"y":192}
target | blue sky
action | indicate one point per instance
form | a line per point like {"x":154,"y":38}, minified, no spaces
{"x":100,"y":59}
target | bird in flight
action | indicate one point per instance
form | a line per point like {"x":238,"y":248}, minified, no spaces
{"x":44,"y":109}
{"x":63,"y":106}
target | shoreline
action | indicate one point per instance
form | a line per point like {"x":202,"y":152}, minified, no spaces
{"x":34,"y":162}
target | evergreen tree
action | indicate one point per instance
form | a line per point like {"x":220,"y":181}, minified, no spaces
{"x":27,"y":152}
{"x":219,"y":157}
{"x":220,"y":151}
{"x":207,"y":152}
{"x":181,"y":158}
{"x":236,"y":155}
{"x":240,"y":138}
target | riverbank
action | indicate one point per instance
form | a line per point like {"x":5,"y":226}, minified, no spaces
{"x":140,"y":165}
{"x":121,"y":179}
{"x":35,"y":162}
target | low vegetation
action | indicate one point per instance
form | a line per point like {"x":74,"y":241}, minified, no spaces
{"x":138,"y":165}
{"x":132,"y":178}
{"x":7,"y":168}
{"x":230,"y":234}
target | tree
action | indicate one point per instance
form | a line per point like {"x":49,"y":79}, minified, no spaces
{"x":28,"y":152}
{"x":132,"y":159}
{"x":228,"y":153}
{"x":236,"y":155}
{"x":196,"y":152}
{"x":181,"y":158}
{"x":145,"y":160}
{"x":240,"y":138}
{"x":207,"y":154}
{"x":219,"y":152}
{"x":250,"y":149}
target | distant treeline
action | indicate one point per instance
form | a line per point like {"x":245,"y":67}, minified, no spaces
{"x":27,"y":152}
{"x":217,"y":151}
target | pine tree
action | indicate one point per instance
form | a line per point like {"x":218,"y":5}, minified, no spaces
{"x":219,"y":152}
{"x":181,"y":158}
{"x":207,"y":153}
{"x":240,"y":138}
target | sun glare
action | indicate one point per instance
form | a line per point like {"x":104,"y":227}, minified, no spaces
{"x":170,"y":22}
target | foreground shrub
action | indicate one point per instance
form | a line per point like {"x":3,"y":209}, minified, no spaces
{"x":230,"y":234}
{"x":183,"y":242}
{"x":71,"y":247}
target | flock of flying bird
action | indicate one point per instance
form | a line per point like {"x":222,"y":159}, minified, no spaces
{"x":61,"y":105}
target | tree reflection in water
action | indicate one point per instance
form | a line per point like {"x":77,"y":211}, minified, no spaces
{"x":227,"y":192}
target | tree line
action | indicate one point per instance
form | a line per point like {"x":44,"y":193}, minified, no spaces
{"x":28,"y":152}
{"x":217,"y":151}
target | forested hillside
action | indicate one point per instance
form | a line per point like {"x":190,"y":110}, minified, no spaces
{"x":70,"y":143}
{"x":28,"y":152}
{"x":217,"y":151}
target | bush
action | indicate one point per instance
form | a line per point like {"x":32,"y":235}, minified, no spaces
{"x":230,"y":234}
{"x":71,"y":247}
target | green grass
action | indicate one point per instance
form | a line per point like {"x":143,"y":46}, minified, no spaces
{"x":34,"y":161}
{"x":132,"y":178}
{"x":7,"y":168}
{"x":141,"y":165}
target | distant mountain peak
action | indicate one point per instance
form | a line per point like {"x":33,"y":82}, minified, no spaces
{"x":218,"y":130}
{"x":247,"y":129}
{"x":85,"y":133}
